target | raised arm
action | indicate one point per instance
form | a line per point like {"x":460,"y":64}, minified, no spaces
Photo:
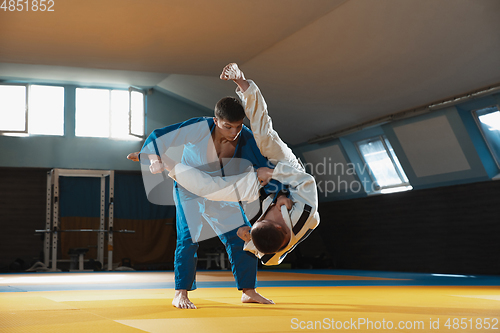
{"x":267,"y":139}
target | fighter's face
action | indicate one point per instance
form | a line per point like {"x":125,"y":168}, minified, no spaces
{"x":229,"y":130}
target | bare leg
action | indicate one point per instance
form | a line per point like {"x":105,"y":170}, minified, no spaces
{"x":252,"y":296}
{"x":232,"y":72}
{"x":181,"y":300}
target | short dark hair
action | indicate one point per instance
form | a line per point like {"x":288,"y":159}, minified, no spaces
{"x":266,"y":237}
{"x":230,"y":109}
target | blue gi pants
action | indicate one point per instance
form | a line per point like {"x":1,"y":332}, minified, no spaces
{"x":243,"y":263}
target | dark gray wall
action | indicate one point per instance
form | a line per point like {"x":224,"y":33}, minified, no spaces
{"x":451,"y":229}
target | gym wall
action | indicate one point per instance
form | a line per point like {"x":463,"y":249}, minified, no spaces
{"x":453,"y":229}
{"x":23,"y":210}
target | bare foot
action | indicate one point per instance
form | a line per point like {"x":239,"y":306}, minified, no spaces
{"x":134,"y":156}
{"x":181,"y":300}
{"x":232,"y":72}
{"x":252,"y":296}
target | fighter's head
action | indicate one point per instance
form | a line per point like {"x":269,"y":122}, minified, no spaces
{"x":230,"y":109}
{"x":269,"y":237}
{"x":229,"y":115}
{"x":271,"y":234}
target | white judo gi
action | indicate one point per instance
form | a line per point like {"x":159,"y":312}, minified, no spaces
{"x":303,"y":216}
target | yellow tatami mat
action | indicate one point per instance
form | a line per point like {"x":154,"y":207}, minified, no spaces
{"x":364,"y":308}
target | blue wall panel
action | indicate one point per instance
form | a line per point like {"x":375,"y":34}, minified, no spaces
{"x":475,"y":173}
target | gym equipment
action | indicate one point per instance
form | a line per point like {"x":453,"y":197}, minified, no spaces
{"x":77,"y":255}
{"x":52,"y":230}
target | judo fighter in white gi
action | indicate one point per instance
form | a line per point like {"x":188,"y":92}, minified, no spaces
{"x":286,"y":218}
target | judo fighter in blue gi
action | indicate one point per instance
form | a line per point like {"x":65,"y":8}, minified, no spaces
{"x":220,"y":146}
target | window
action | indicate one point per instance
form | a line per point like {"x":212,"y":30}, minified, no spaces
{"x":136,"y":124}
{"x":109,"y":113}
{"x":384,"y":167}
{"x":488,"y":120}
{"x":46,"y":110}
{"x":32,"y":109}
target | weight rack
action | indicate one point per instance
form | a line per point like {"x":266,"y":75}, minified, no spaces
{"x":52,"y":230}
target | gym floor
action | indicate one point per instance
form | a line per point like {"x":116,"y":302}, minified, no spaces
{"x":308,"y":300}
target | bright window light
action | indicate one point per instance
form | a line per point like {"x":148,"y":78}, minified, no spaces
{"x":488,"y":120}
{"x":119,"y":114}
{"x":64,"y":278}
{"x":455,"y":275}
{"x":46,"y":110}
{"x":398,"y":166}
{"x":396,"y":189}
{"x":383,"y":164}
{"x":105,"y":113}
{"x":136,"y":113}
{"x":492,"y":120}
{"x":12,"y":108}
{"x":92,"y":112}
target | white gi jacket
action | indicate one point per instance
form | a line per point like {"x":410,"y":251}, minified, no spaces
{"x":301,"y":219}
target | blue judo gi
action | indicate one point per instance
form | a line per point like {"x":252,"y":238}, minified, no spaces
{"x":192,"y":212}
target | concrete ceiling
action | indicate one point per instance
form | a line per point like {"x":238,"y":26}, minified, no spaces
{"x":323,"y":65}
